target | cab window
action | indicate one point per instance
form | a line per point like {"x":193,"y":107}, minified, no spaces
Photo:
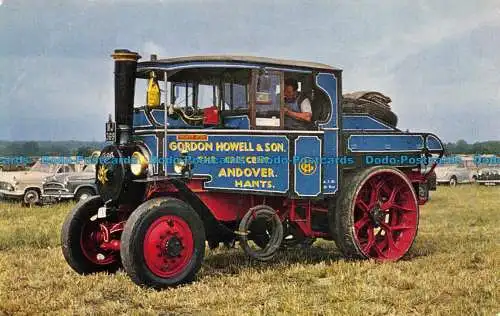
{"x":207,"y":95}
{"x":235,"y":96}
{"x":235,"y":92}
{"x":198,"y":95}
{"x":268,"y":86}
{"x":183,"y":94}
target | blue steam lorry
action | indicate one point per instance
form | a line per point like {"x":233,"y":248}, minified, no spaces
{"x":259,"y":151}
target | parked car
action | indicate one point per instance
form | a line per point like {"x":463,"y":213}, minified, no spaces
{"x":489,"y":176}
{"x":464,"y":171}
{"x":26,"y":186}
{"x":72,"y":185}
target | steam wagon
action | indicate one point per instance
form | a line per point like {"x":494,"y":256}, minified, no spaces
{"x":236,"y":148}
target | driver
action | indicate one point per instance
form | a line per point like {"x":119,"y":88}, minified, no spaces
{"x":298,"y":112}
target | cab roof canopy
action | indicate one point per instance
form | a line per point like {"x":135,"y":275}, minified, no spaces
{"x":233,"y":61}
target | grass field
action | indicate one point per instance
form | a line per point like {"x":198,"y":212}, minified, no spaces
{"x":453,"y":268}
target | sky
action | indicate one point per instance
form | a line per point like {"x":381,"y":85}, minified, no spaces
{"x":437,"y":60}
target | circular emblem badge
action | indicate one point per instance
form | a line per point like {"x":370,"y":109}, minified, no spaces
{"x":307,"y":166}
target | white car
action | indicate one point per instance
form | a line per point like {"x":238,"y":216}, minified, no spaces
{"x":455,"y":174}
{"x":26,"y":186}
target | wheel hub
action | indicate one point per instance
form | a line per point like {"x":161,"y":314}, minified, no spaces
{"x":376,"y":215}
{"x":173,"y":247}
{"x":168,"y":246}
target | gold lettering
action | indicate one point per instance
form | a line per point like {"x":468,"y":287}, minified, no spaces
{"x":247,"y":172}
{"x":190,"y":146}
{"x":234,"y":146}
{"x":253,"y":184}
{"x":222,"y":172}
{"x":274,"y":147}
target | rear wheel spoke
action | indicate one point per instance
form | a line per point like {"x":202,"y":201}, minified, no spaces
{"x":392,"y":198}
{"x":362,"y":205}
{"x":361,"y":223}
{"x":383,"y":243}
{"x":375,"y":192}
{"x":370,"y":243}
{"x":390,"y":242}
{"x":378,"y":250}
{"x":403,"y":208}
{"x":387,"y":189}
{"x":401,"y":227}
{"x":386,"y":227}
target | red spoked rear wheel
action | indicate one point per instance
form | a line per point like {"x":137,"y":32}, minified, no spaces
{"x":168,"y":246}
{"x":377,"y":215}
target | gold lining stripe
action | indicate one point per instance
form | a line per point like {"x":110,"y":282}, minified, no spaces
{"x":126,"y":56}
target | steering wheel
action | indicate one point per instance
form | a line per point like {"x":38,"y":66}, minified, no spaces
{"x":189,"y":110}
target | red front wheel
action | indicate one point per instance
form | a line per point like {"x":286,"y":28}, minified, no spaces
{"x":82,"y":237}
{"x":163,"y":243}
{"x":376,"y":215}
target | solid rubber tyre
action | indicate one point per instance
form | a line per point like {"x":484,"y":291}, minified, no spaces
{"x":400,"y":236}
{"x":71,"y":239}
{"x":137,"y":241}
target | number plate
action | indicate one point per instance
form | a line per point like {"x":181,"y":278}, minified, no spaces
{"x":110,"y":131}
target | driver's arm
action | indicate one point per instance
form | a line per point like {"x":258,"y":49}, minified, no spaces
{"x":305,"y":115}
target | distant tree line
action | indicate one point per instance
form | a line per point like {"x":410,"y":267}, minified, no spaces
{"x":48,"y":148}
{"x":462,"y":147}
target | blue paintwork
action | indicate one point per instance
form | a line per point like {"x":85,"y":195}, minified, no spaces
{"x":159,"y":117}
{"x":364,"y":123}
{"x":275,"y":179}
{"x":322,"y":179}
{"x":330,"y":170}
{"x":151,"y":143}
{"x":237,"y":122}
{"x":433,"y":143}
{"x":328,"y":83}
{"x":385,"y":143}
{"x":213,"y":64}
{"x":307,"y":165}
{"x":140,"y":119}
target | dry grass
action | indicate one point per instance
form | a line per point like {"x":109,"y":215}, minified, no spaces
{"x":452,"y":269}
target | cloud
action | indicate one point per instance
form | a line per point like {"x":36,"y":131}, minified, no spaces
{"x":437,"y":60}
{"x":399,"y":47}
